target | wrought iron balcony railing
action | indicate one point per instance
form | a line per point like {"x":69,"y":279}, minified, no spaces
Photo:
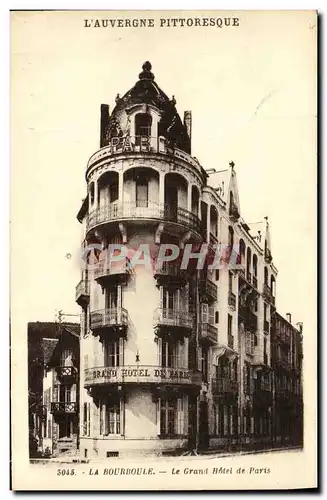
{"x":170,"y":273}
{"x":173,"y":318}
{"x":109,"y":318}
{"x":142,"y":374}
{"x":83,"y":292}
{"x":208,"y":333}
{"x":130,"y":211}
{"x":63,"y":407}
{"x":106,"y":270}
{"x":208,"y":290}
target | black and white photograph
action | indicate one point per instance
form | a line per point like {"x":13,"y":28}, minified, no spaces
{"x":164,"y":196}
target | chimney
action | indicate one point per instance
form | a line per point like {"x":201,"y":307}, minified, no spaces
{"x":289,"y":317}
{"x":188,"y":124}
{"x":104,"y":120}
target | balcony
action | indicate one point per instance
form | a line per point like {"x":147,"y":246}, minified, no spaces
{"x":170,"y":274}
{"x":208,"y":291}
{"x":82,"y":295}
{"x":173,"y":320}
{"x":133,"y":146}
{"x":107,"y":273}
{"x":141,"y":374}
{"x":268,"y":256}
{"x":224,"y":386}
{"x":232,"y":300}
{"x":267,"y":294}
{"x":66,"y":373}
{"x":64,"y":408}
{"x":156,"y":212}
{"x":109,"y":321}
{"x":208,"y":334}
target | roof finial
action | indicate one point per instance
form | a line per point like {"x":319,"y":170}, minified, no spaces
{"x":146,"y":73}
{"x":232,"y":165}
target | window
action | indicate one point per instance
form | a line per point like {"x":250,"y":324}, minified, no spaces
{"x":65,"y":394}
{"x":168,"y":299}
{"x":113,"y":191}
{"x":168,"y":417}
{"x":92,"y":193}
{"x":265,"y":312}
{"x":169,"y":354}
{"x":141,"y":192}
{"x":111,"y":353}
{"x":230,"y":322}
{"x":217,"y":317}
{"x":217,"y":275}
{"x":112,"y":298}
{"x":266,"y":276}
{"x":66,"y":357}
{"x":143,"y":122}
{"x":110,"y":419}
{"x":265,"y":355}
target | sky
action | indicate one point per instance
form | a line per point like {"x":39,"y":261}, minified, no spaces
{"x":252,"y":93}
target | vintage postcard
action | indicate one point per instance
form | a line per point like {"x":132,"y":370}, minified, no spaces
{"x":163,"y":319}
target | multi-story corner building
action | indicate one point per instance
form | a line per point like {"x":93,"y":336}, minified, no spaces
{"x":171,"y":358}
{"x":54,"y":387}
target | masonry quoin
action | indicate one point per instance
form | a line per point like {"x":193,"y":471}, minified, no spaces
{"x":166,"y":22}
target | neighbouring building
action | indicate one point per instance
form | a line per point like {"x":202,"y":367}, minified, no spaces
{"x":171,"y":359}
{"x":53,"y":361}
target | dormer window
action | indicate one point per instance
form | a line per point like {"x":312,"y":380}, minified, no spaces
{"x":143,"y":122}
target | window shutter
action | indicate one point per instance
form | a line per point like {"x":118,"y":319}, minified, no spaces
{"x":158,"y":403}
{"x":160,"y":352}
{"x":204,"y":313}
{"x":211,"y":314}
{"x":122,"y":417}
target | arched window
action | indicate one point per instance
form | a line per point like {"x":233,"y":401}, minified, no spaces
{"x":248,"y":263}
{"x":242,"y":251}
{"x":255,"y":265}
{"x":92,"y":193}
{"x":143,"y":122}
{"x":230,"y":237}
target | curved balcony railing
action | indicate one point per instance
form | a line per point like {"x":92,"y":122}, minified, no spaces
{"x":106,"y":318}
{"x":141,"y":374}
{"x":173,"y":318}
{"x":106,"y":269}
{"x":139,"y":144}
{"x":128,"y":210}
{"x":170,"y":273}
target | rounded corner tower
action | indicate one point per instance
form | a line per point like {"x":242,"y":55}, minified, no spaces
{"x":139,"y":380}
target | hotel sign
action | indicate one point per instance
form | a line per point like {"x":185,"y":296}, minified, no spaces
{"x":140,"y":375}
